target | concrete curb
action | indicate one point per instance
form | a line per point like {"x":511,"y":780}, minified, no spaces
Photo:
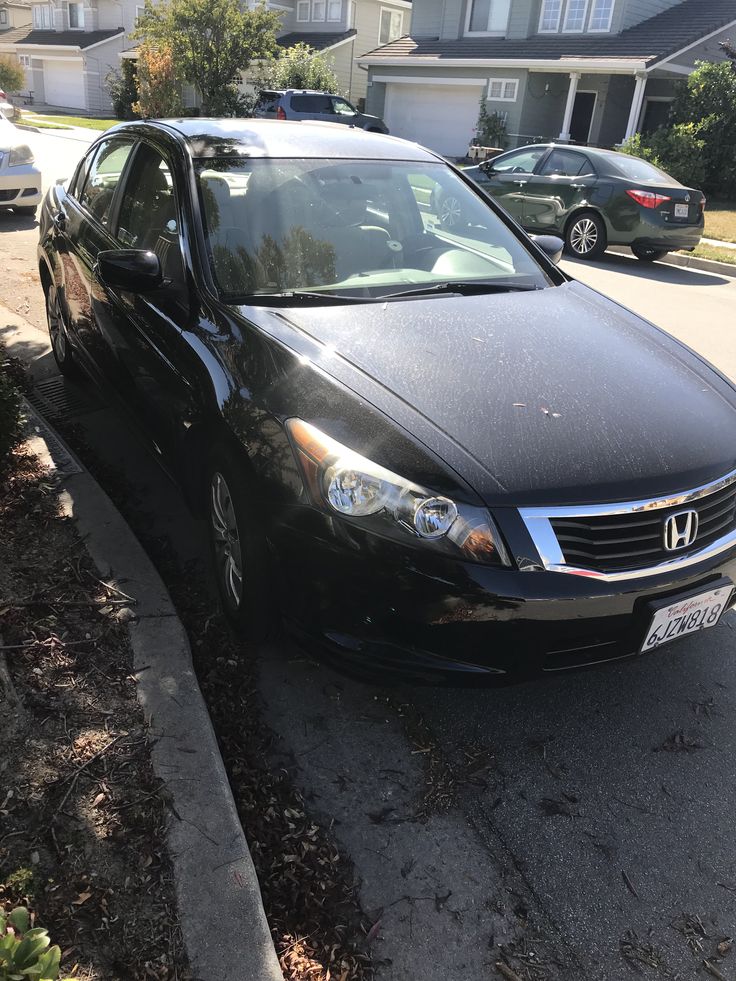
{"x":688,"y":261}
{"x":220,"y":906}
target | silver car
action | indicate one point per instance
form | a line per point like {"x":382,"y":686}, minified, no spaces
{"x":310,"y":104}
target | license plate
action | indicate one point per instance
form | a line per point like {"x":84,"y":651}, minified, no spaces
{"x":686,"y":616}
{"x":682,"y":210}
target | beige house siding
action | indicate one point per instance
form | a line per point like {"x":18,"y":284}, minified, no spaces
{"x":15,"y":17}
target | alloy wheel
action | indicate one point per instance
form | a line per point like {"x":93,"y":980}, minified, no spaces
{"x":56,"y":326}
{"x":583,"y":236}
{"x":226,"y":540}
{"x":450,"y":211}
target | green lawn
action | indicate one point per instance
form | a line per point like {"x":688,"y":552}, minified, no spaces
{"x":711,"y":252}
{"x":58,"y":122}
{"x":720,"y":220}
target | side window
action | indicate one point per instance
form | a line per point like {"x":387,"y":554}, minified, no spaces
{"x":566,"y":163}
{"x":103,"y":178}
{"x":342,"y":107}
{"x":522,"y":162}
{"x":312,"y":103}
{"x":76,"y":184}
{"x":148,"y":216}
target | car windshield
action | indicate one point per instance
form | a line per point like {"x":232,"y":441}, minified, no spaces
{"x":352,"y":228}
{"x":639,"y":170}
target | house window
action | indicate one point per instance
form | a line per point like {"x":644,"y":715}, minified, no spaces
{"x":76,"y":17}
{"x":3,"y":17}
{"x":302,"y":10}
{"x":42,"y":17}
{"x":575,"y":15}
{"x":602,"y":15}
{"x":390,"y":27}
{"x":138,"y":14}
{"x":334,"y":9}
{"x":487,"y":17}
{"x":25,"y":61}
{"x":503,"y":89}
{"x":550,"y":18}
{"x":319,"y":9}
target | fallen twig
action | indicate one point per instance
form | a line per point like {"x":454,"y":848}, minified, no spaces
{"x":506,"y":972}
{"x":713,"y":970}
{"x":11,"y":695}
{"x":75,"y":775}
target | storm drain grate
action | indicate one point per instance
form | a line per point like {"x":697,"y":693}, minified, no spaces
{"x":59,"y":399}
{"x":61,"y":459}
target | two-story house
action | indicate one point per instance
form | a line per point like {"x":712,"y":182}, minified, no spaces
{"x":341,"y":30}
{"x":70,"y":45}
{"x":584,"y":71}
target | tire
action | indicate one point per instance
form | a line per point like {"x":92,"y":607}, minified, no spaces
{"x":26,"y":212}
{"x":649,"y":255}
{"x":450,"y":211}
{"x":60,"y":346}
{"x":238,"y":550}
{"x":585,"y":236}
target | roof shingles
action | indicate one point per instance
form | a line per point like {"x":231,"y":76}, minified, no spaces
{"x":319,"y":40}
{"x":67,"y":39}
{"x":649,"y":41}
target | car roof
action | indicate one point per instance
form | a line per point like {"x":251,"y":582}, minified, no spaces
{"x":279,"y":138}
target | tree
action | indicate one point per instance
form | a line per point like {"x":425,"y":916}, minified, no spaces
{"x":12,"y":76}
{"x":122,"y":85}
{"x":211,"y":42}
{"x":490,"y":130}
{"x":159,"y":86}
{"x":298,"y":67}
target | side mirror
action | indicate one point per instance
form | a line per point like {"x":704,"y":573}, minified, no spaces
{"x":551,"y":245}
{"x":486,"y":167}
{"x":132,"y":270}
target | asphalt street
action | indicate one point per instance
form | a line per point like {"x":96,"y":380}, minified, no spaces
{"x":586,"y":820}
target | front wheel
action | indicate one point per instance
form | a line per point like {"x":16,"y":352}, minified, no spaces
{"x":648,"y":255}
{"x":60,"y":346}
{"x":238,"y":548}
{"x":585,"y":237}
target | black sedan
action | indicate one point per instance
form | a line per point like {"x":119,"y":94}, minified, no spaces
{"x":592,"y":198}
{"x":428,"y":451}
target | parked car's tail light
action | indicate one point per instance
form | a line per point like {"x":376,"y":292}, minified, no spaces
{"x":341,"y":481}
{"x":702,"y":204}
{"x":280,"y":114}
{"x":20,"y":155}
{"x":648,"y":199}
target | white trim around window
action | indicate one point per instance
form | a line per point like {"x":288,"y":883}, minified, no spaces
{"x":302,"y":11}
{"x":393,"y":20}
{"x":319,"y":10}
{"x":550,"y":16}
{"x":78,"y":10}
{"x":496,"y":17}
{"x":503,"y":89}
{"x":601,"y":16}
{"x":3,"y":17}
{"x":42,"y":19}
{"x":24,"y":61}
{"x":578,"y":9}
{"x":334,"y":10}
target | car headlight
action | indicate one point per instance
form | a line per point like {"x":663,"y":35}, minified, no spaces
{"x":342,"y":482}
{"x":20,"y":155}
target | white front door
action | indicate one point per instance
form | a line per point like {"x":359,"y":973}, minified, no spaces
{"x":63,"y":84}
{"x":441,"y":117}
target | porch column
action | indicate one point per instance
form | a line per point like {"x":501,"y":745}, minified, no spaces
{"x":636,"y":104}
{"x":571,"y":93}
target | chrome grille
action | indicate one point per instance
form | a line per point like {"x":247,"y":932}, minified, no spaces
{"x":635,"y":540}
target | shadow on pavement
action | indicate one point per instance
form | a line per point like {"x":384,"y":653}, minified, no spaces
{"x":660,"y":272}
{"x":11,"y":222}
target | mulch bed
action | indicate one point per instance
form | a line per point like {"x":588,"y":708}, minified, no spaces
{"x":81,"y":813}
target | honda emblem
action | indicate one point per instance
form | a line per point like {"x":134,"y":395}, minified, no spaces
{"x":680,"y":530}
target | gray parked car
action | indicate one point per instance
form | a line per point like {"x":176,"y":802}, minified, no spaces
{"x":309,"y":104}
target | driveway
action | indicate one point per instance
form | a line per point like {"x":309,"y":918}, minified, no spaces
{"x":579,"y":828}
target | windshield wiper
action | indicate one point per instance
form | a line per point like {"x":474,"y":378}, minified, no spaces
{"x":311,"y":295}
{"x":463,"y":288}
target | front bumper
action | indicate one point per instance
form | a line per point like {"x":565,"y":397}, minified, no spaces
{"x":19,"y":186}
{"x":378,"y":608}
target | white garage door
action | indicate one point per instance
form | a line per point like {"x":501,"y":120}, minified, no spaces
{"x":442,"y":117}
{"x":63,"y":84}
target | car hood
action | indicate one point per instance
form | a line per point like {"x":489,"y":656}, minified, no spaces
{"x":553,"y":396}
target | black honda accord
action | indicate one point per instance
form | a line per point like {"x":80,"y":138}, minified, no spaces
{"x":427,"y":451}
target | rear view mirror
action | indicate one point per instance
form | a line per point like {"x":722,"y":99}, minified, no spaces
{"x":132,"y":270}
{"x":551,"y":245}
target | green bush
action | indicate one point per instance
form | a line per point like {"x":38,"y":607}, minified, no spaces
{"x":675,"y":149}
{"x":26,"y":954}
{"x":10,"y":416}
{"x":490,"y":130}
{"x":123,"y":88}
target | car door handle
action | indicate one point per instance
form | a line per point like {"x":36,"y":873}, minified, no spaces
{"x":579,"y":187}
{"x":521,"y":183}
